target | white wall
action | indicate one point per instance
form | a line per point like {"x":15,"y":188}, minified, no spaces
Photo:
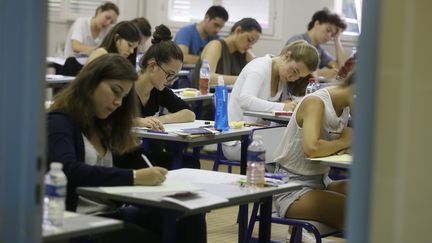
{"x":292,"y":19}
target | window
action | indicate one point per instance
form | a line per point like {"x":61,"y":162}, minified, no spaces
{"x":60,"y":10}
{"x":351,"y":9}
{"x":180,"y":11}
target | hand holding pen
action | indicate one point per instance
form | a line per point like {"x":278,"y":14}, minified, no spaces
{"x":151,"y":122}
{"x":151,"y":176}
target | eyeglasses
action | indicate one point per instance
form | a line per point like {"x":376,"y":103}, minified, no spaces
{"x":170,"y":77}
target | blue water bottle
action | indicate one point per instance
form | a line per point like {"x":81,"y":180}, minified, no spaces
{"x":221,"y":116}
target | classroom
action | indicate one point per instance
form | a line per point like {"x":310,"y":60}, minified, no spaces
{"x":139,"y":128}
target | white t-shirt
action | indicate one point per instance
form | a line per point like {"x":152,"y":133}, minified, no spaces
{"x":80,"y":31}
{"x":251,"y":91}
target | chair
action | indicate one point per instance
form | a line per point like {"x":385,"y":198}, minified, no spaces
{"x":319,"y":230}
{"x":72,"y":67}
{"x":270,"y":136}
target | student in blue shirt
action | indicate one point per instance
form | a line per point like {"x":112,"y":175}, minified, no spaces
{"x":192,"y":38}
{"x":89,"y":122}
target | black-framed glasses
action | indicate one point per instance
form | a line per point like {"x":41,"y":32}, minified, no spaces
{"x":170,"y":77}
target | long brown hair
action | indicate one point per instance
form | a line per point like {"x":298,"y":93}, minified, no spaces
{"x":76,"y":101}
{"x":301,"y":51}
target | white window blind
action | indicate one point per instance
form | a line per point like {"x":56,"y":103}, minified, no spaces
{"x":194,"y":11}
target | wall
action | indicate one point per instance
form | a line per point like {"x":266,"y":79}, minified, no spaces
{"x":401,"y":198}
{"x":294,"y":16}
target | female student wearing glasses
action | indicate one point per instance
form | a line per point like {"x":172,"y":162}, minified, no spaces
{"x":159,"y":67}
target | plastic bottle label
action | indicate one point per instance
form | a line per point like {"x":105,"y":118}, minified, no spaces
{"x":55,"y":190}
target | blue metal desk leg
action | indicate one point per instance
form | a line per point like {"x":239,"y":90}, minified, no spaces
{"x":265,"y":221}
{"x":243,"y":209}
{"x":177,"y":154}
{"x":169,"y":233}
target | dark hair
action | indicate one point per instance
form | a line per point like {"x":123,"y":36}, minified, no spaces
{"x":217,"y":11}
{"x":76,"y":101}
{"x":125,"y":30}
{"x":108,"y":6}
{"x":143,"y":25}
{"x":163,"y":48}
{"x":247,"y":24}
{"x":325,"y":16}
{"x":350,"y":79}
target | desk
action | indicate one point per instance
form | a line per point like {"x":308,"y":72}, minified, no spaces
{"x":179,"y":143}
{"x":268,"y":116}
{"x":337,"y":161}
{"x":220,"y":184}
{"x":55,"y":80}
{"x":75,"y":225}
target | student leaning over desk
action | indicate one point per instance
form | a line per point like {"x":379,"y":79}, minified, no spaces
{"x":323,"y":27}
{"x":123,"y":39}
{"x":86,"y":34}
{"x":90,"y":121}
{"x":228,"y":57}
{"x":318,"y":127}
{"x":260,"y":85}
{"x":192,"y":38}
{"x":159,"y":68}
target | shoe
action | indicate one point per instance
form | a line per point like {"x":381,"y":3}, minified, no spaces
{"x":308,"y":237}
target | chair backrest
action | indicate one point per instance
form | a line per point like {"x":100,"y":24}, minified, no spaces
{"x":72,"y":66}
{"x":271,"y":136}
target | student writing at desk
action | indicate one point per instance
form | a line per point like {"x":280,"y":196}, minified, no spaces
{"x":159,"y":68}
{"x":192,"y":38}
{"x":86,"y":34}
{"x":123,"y":39}
{"x":260,"y":84}
{"x":88,"y":123}
{"x":323,"y":27}
{"x":318,"y":127}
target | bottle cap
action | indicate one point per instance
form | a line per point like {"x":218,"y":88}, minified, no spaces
{"x":56,"y":165}
{"x":220,"y":80}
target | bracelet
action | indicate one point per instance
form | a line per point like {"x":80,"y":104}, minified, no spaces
{"x":134,"y":174}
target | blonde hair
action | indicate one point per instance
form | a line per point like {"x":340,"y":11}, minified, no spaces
{"x":302,"y":51}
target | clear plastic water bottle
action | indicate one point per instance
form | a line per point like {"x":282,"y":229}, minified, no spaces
{"x":312,"y":86}
{"x":256,"y":163}
{"x":204,"y":77}
{"x":55,"y":195}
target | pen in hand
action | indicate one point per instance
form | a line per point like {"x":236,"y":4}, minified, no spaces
{"x":146,"y":160}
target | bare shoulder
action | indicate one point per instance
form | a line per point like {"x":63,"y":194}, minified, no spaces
{"x":311,"y":105}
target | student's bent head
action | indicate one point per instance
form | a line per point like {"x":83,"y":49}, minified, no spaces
{"x":145,"y":28}
{"x":163,"y":60}
{"x":106,"y":14}
{"x":326,"y":25}
{"x":99,"y":100}
{"x":247,"y":31}
{"x":300,"y":59}
{"x":123,"y":39}
{"x":215,"y":19}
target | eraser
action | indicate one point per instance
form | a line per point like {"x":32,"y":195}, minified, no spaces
{"x":282,"y":113}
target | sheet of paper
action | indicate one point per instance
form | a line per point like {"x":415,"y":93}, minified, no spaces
{"x":202,"y":176}
{"x":336,"y":158}
{"x":166,"y":186}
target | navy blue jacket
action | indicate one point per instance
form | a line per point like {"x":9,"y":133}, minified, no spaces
{"x":66,"y":145}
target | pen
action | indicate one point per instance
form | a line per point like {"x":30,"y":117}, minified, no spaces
{"x":146,"y":160}
{"x":156,"y":131}
{"x":334,"y":132}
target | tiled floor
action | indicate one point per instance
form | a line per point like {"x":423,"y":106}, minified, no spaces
{"x":222,"y":226}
